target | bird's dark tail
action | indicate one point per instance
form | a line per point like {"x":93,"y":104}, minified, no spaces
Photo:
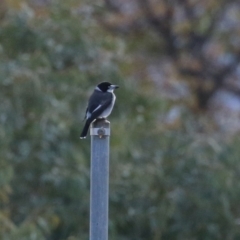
{"x":85,"y":129}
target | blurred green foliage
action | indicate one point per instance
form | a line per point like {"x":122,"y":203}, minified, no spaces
{"x":164,"y":184}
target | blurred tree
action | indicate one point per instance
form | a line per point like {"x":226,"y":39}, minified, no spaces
{"x":197,"y":41}
{"x":3,"y":8}
{"x":165,"y":183}
{"x":47,"y":64}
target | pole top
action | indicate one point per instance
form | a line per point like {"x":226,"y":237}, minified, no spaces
{"x":100,"y":127}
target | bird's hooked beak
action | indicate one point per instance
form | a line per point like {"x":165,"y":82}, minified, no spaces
{"x":114,"y":87}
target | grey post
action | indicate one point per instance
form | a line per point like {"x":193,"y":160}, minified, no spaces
{"x":100,"y":134}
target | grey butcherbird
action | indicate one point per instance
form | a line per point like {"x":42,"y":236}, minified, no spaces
{"x":100,"y":104}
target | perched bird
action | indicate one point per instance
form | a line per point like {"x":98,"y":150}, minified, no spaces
{"x":100,"y":104}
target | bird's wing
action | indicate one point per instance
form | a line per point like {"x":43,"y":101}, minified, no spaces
{"x":97,"y":112}
{"x":97,"y":107}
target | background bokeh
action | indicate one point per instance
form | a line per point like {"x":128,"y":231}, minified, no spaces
{"x":175,"y":156}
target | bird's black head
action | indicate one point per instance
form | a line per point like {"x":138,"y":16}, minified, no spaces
{"x":106,"y":86}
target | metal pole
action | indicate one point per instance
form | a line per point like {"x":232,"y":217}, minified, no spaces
{"x":100,"y":133}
